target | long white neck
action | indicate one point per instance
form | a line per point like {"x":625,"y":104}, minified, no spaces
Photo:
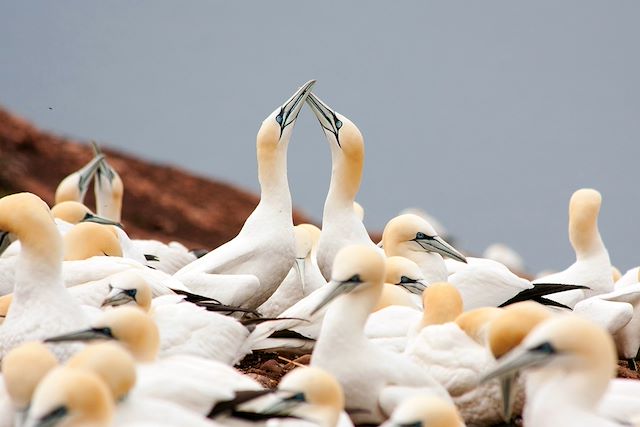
{"x":585,"y":238}
{"x":275,"y":198}
{"x":346,"y":175}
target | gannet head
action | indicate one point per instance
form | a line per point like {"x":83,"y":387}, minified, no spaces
{"x":475,"y":323}
{"x":130,"y":326}
{"x":88,"y":239}
{"x":409,"y":232}
{"x":356,"y":268}
{"x":277,"y":127}
{"x":23,"y":368}
{"x":129,"y":287}
{"x":359,"y":210}
{"x":425,"y":411}
{"x":109,"y":191}
{"x":313,"y":231}
{"x":342,"y":134}
{"x":506,"y":331}
{"x":111,"y":363}
{"x":310,"y":393}
{"x":569,"y":348}
{"x":304,"y":244}
{"x":75,"y":212}
{"x":71,"y":398}
{"x":403,"y":272}
{"x":584,"y":208}
{"x":74,"y":187}
{"x":27,"y":217}
{"x":442,"y":303}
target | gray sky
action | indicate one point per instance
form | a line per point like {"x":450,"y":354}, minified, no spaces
{"x":486,"y":114}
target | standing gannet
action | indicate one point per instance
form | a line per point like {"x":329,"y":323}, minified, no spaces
{"x":41,"y":306}
{"x":184,"y":327}
{"x":425,"y":411}
{"x":305,"y":396}
{"x":22,"y":369}
{"x":74,"y":187}
{"x":71,"y":398}
{"x":570,"y":362}
{"x":341,"y":225}
{"x":592,"y":267}
{"x":303,"y":278}
{"x":192,"y":382}
{"x":108,"y":188}
{"x":412,"y":237}
{"x":116,"y":367}
{"x":262,"y":254}
{"x":372,"y":378}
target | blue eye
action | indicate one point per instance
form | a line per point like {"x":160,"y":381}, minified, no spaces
{"x":420,"y":235}
{"x":405,"y":279}
{"x":338,"y":124}
{"x":279,"y":119}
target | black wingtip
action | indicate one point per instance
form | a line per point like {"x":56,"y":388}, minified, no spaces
{"x":540,"y":290}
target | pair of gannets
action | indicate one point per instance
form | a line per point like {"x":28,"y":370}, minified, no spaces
{"x":571,"y":365}
{"x":248,"y":269}
{"x":372,"y":378}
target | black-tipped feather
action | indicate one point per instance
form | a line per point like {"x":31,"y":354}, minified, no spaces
{"x":289,"y":334}
{"x":212,"y":304}
{"x":151,"y":257}
{"x":540,"y":290}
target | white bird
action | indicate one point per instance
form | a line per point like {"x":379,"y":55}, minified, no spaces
{"x":263,"y":252}
{"x":74,"y":186}
{"x":184,"y":327}
{"x":305,"y":396}
{"x":192,"y":382}
{"x":593,"y":266}
{"x":41,"y":306}
{"x":570,"y":363}
{"x":303,"y":278}
{"x":341,"y":225}
{"x":412,"y":237}
{"x":372,"y":378}
{"x":425,"y":411}
{"x":108,"y":189}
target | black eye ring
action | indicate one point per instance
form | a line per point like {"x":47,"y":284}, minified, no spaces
{"x":338,"y":124}
{"x":354,"y":279}
{"x":420,"y":235}
{"x":545,"y":347}
{"x":405,"y":279}
{"x":131,"y":293}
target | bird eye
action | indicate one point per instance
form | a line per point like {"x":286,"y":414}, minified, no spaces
{"x":131,"y":292}
{"x":405,"y":279}
{"x":545,"y":347}
{"x":420,"y":235}
{"x":338,"y":124}
{"x":354,"y":279}
{"x":279,"y":118}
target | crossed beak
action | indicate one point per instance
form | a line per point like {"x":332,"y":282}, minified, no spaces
{"x":326,"y":116}
{"x":291,"y":108}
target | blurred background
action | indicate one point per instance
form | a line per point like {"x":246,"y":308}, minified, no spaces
{"x":488,"y":115}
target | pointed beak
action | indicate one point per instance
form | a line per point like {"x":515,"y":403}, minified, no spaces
{"x":299,"y":264}
{"x":86,"y":173}
{"x":89,"y":217}
{"x":326,"y":116}
{"x":290,"y":109}
{"x":517,"y":360}
{"x":438,"y":245}
{"x":117,"y":297}
{"x":84,"y":335}
{"x":416,"y":287}
{"x":508,"y":394}
{"x":338,"y":288}
{"x":284,"y":405}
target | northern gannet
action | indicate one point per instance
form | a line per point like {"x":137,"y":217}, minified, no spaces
{"x":184,"y":327}
{"x":412,"y":237}
{"x":305,"y":396}
{"x":425,"y":411}
{"x":593,"y":266}
{"x":87,"y":239}
{"x":71,"y":398}
{"x":341,"y":225}
{"x":247,"y":270}
{"x":371,"y":377}
{"x":197,"y":383}
{"x":570,"y":363}
{"x":41,"y":306}
{"x":108,"y":188}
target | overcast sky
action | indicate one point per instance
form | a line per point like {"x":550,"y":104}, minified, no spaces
{"x":486,"y":114}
